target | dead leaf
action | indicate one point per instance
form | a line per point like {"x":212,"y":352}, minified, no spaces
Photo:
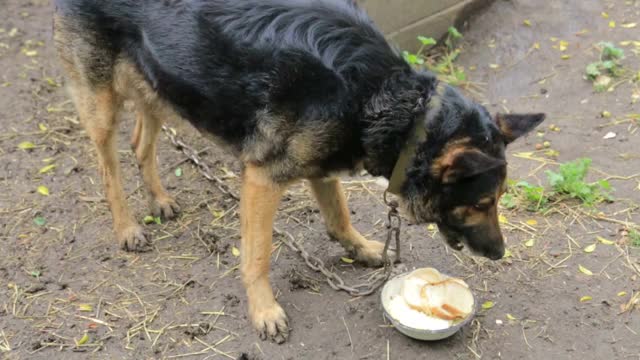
{"x":529,"y":243}
{"x":347,"y":260}
{"x":43,"y":190}
{"x":605,"y":241}
{"x":586,"y":298}
{"x":590,"y":248}
{"x":235,"y":251}
{"x":532,"y":222}
{"x":584,"y":270}
{"x":47,"y":168}
{"x":26,"y":145}
{"x":488,"y":305}
{"x":622,"y":293}
{"x":629,"y":25}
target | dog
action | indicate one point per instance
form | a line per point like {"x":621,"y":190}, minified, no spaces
{"x":296,"y":89}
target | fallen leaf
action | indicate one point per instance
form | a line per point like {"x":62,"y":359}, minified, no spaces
{"x":42,"y":127}
{"x":563,"y":45}
{"x":536,"y":46}
{"x":178,"y":172}
{"x":511,"y":317}
{"x":622,"y":293}
{"x":85,"y":307}
{"x":527,"y":22}
{"x":606,"y":114}
{"x":565,"y":57}
{"x":584,"y":270}
{"x":431,"y":227}
{"x":347,"y":260}
{"x":590,"y":248}
{"x":148,"y":219}
{"x":235,"y":251}
{"x":529,"y":243}
{"x":43,"y":190}
{"x":488,"y":305}
{"x":40,"y":221}
{"x":609,"y":135}
{"x":629,"y":25}
{"x":35,"y":273}
{"x":47,"y":168}
{"x":217,"y":213}
{"x":494,"y":66}
{"x":507,"y":253}
{"x":502,"y":219}
{"x":586,"y":298}
{"x":605,"y":241}
{"x":612,"y":24}
{"x":532,"y":222}
{"x":83,"y":340}
{"x":26,"y":145}
{"x":605,"y":15}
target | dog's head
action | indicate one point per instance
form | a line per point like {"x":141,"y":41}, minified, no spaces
{"x":456,"y":176}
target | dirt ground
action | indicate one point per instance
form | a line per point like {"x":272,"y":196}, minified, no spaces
{"x":62,"y":275}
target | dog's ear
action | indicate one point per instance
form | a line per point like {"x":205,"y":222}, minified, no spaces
{"x":512,"y":126}
{"x":462,"y":164}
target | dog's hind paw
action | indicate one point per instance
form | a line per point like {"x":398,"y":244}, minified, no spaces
{"x":271,"y":323}
{"x":165,"y":207}
{"x":132,"y":238}
{"x":370,"y":254}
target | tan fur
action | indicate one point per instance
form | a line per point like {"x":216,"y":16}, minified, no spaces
{"x":120,"y":81}
{"x":333,"y":206}
{"x":449,"y":153}
{"x":258,"y":204}
{"x":98,"y":107}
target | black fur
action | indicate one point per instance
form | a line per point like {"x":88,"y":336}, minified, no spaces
{"x":317,"y":64}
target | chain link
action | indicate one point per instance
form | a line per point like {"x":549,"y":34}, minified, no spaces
{"x":368,"y":287}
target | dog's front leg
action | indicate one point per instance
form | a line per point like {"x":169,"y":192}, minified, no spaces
{"x":333,"y":206}
{"x":258,"y":204}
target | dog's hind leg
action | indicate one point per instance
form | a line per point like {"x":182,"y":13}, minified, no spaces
{"x":333,"y":206}
{"x":143,"y":143}
{"x":259,"y":201}
{"x":98,"y":108}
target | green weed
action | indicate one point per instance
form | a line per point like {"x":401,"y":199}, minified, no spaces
{"x":531,"y":197}
{"x":601,"y":72}
{"x":570,"y":182}
{"x":634,"y":236}
{"x":443,"y":65}
{"x":567,"y":183}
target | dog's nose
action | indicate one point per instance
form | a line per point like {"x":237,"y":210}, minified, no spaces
{"x":496,"y":254}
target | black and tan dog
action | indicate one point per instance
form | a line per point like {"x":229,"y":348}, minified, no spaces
{"x":298,"y":89}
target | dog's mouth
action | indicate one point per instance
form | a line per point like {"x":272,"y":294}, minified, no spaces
{"x":455,"y":242}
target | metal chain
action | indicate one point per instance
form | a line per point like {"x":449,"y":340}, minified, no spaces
{"x":368,"y":287}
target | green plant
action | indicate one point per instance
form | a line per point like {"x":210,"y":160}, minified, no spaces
{"x":601,"y":72}
{"x":634,"y":236}
{"x":570,"y":181}
{"x":533,"y":198}
{"x":443,"y":65}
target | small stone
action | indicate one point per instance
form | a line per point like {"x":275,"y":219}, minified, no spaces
{"x":555,"y":252}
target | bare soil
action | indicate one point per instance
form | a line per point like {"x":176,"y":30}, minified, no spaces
{"x":67,"y":277}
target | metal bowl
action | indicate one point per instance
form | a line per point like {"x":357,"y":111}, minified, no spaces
{"x":393,"y":287}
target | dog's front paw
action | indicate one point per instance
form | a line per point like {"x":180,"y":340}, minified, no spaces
{"x":132,"y":238}
{"x":165,"y":207}
{"x":271,"y":323}
{"x":370,"y":253}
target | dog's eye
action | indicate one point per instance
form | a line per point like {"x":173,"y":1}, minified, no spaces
{"x":484,"y":205}
{"x":481,"y":207}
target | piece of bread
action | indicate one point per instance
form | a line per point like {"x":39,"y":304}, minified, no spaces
{"x":429,"y":275}
{"x":448,"y":299}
